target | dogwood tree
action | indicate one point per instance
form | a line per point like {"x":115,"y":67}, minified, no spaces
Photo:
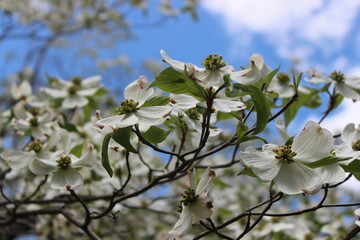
{"x":199,"y":151}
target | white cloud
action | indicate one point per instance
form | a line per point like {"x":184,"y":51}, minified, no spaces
{"x":293,"y":28}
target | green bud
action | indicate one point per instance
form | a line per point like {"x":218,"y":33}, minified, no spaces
{"x":34,"y":145}
{"x":188,"y":197}
{"x":193,"y":114}
{"x":283,"y":78}
{"x":34,"y":122}
{"x":76,"y":81}
{"x":73,"y":89}
{"x":127,"y":106}
{"x":356,"y":145}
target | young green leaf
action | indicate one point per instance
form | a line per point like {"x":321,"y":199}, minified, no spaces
{"x":157,"y":101}
{"x":326,"y":161}
{"x":122,"y":137}
{"x":155,"y":135}
{"x":77,"y":150}
{"x":105,"y":156}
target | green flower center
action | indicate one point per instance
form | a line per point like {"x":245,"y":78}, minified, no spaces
{"x":73,"y":89}
{"x":64,"y":162}
{"x":213,"y":62}
{"x":35,"y":145}
{"x":337,"y":76}
{"x":283,"y":78}
{"x":34,"y":122}
{"x":356,"y":145}
{"x":188,"y":197}
{"x":76,"y":81}
{"x":127,"y":106}
{"x":285,"y":154}
{"x":193,"y":114}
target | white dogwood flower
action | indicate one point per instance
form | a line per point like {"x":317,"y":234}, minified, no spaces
{"x":257,"y":70}
{"x":74,"y":93}
{"x":357,"y":213}
{"x":64,"y":164}
{"x":195,"y":205}
{"x":131,"y":111}
{"x":346,"y":86}
{"x":210,"y":76}
{"x":284,"y":164}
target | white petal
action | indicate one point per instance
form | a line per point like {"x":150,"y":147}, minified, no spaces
{"x":206,"y":182}
{"x":55,"y":93}
{"x":19,"y":110}
{"x":74,"y":101}
{"x":184,"y":223}
{"x":87,"y":92}
{"x":318,"y":79}
{"x":347,"y":91}
{"x":183,"y":101}
{"x":332,"y":173}
{"x":357,"y":212}
{"x":345,"y":150}
{"x":257,"y":60}
{"x":42,"y":166}
{"x":87,"y":160}
{"x":200,"y":209}
{"x":296,"y":178}
{"x":350,"y":134}
{"x":223,"y":105}
{"x":312,"y":143}
{"x":192,"y":178}
{"x":282,"y":129}
{"x":263,"y":164}
{"x":248,"y":76}
{"x":139,"y":90}
{"x":18,"y":159}
{"x":178,"y":66}
{"x":153,"y":115}
{"x":91,"y":82}
{"x":209,"y":78}
{"x":117,"y":121}
{"x":66,"y":177}
{"x":37,"y":132}
{"x":22,"y":90}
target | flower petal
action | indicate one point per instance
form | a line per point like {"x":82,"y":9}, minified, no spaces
{"x":223,"y":105}
{"x":117,"y":121}
{"x":177,"y":65}
{"x":347,"y":91}
{"x":184,"y":223}
{"x":74,"y":101}
{"x":42,"y":166}
{"x":66,"y":177}
{"x":312,"y":143}
{"x":139,"y":90}
{"x":206,"y":182}
{"x":332,"y":173}
{"x":183,"y":101}
{"x":155,"y":115}
{"x":296,"y":178}
{"x":87,"y":160}
{"x":18,"y":159}
{"x":350,"y":134}
{"x":264,"y":164}
{"x":247,"y":76}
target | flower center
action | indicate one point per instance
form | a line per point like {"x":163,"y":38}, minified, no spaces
{"x":193,"y":114}
{"x":64,"y":162}
{"x":285,"y":154}
{"x":73,"y":89}
{"x":76,"y":81}
{"x":127,"y":106}
{"x":35,"y":145}
{"x":283,"y":78}
{"x":34,"y":122}
{"x":189,"y":197}
{"x":337,"y":76}
{"x":213,"y":62}
{"x":356,"y":145}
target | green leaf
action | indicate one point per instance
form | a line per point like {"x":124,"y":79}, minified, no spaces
{"x":50,"y":79}
{"x":194,"y":88}
{"x":338,"y":99}
{"x":247,"y":171}
{"x":77,"y":150}
{"x":101,"y":92}
{"x":313,"y":102}
{"x":261,"y":106}
{"x":122,"y":137}
{"x":353,"y":167}
{"x":105,"y":156}
{"x":170,"y":80}
{"x":241,"y":129}
{"x":270,"y":76}
{"x":155,"y":135}
{"x":156,"y":101}
{"x":357,"y":175}
{"x":326,"y":161}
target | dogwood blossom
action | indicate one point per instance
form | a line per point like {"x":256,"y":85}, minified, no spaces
{"x":63,"y":164}
{"x":73,"y":93}
{"x":131,"y":112}
{"x":21,"y":91}
{"x":357,"y":213}
{"x":36,"y":121}
{"x":280,"y":84}
{"x":194,"y":206}
{"x":284,"y":164}
{"x":346,"y":86}
{"x":257,"y":70}
{"x":210,"y":76}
